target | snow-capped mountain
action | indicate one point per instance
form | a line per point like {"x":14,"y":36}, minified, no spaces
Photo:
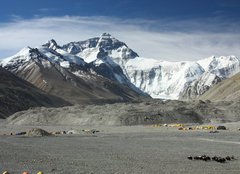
{"x":160,"y":79}
{"x":216,"y":69}
{"x":60,"y":73}
{"x":112,"y":59}
{"x":96,"y":59}
{"x":223,"y":66}
{"x":198,"y":87}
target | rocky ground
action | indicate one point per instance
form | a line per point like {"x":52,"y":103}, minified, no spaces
{"x":127,"y":141}
{"x":138,"y":113}
{"x":125,"y":149}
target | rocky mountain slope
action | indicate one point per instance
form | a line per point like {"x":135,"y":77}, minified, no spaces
{"x":227,"y":90}
{"x":69,"y":77}
{"x":107,"y":58}
{"x":17,"y":94}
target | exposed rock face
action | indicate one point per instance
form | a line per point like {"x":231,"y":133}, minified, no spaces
{"x":17,"y":95}
{"x":69,"y":77}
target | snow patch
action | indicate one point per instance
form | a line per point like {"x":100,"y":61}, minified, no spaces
{"x":21,"y":57}
{"x":89,"y":54}
{"x":65,"y":64}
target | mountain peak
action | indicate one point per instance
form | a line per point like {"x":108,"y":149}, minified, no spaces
{"x":106,"y":35}
{"x":106,"y":40}
{"x":52,"y":44}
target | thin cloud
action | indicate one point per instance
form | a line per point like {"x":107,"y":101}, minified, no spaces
{"x":46,"y":9}
{"x":164,"y":39}
{"x":15,"y":17}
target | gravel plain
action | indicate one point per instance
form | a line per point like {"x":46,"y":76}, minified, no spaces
{"x":126,"y":142}
{"x":119,"y":150}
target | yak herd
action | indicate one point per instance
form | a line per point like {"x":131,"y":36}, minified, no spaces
{"x":214,"y":158}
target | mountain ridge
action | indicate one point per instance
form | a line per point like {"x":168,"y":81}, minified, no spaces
{"x":141,"y":71}
{"x":68,"y":76}
{"x":114,"y":60}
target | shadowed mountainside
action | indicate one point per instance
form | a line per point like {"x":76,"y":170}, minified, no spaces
{"x":77,"y":83}
{"x":17,"y":94}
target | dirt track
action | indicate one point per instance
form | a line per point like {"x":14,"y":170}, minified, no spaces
{"x":133,"y":149}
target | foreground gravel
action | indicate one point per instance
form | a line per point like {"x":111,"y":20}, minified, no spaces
{"x":130,"y":150}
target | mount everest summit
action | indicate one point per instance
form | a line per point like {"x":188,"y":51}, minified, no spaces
{"x":105,"y":68}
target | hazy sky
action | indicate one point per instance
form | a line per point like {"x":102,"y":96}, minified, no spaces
{"x":169,"y":30}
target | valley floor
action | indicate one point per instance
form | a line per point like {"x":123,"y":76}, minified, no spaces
{"x":125,"y":149}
